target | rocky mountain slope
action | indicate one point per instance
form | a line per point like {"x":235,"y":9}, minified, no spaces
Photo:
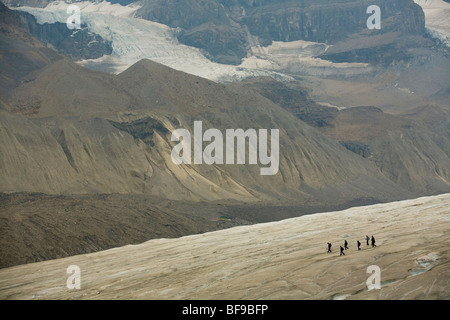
{"x":21,"y":52}
{"x":91,"y":127}
{"x":411,"y":148}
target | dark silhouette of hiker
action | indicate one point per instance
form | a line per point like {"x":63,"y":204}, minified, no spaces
{"x":359,"y":245}
{"x":329,"y":247}
{"x":342,"y":251}
{"x":373,"y":242}
{"x":367,"y":239}
{"x":345,"y":244}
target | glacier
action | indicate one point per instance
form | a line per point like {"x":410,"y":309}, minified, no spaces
{"x":437,"y":21}
{"x":134,"y":39}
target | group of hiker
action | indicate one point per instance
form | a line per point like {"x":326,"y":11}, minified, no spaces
{"x":342,"y":253}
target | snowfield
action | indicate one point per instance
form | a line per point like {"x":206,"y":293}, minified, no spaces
{"x":279,"y":260}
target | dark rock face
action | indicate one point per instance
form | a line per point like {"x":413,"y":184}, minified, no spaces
{"x":77,"y":44}
{"x":222,"y":27}
{"x":219,"y":42}
{"x":295,"y":99}
{"x":357,"y":147}
{"x":143,"y":129}
{"x":225,"y":29}
{"x":204,"y":24}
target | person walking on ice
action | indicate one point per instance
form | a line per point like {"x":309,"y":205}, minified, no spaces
{"x":345,"y":244}
{"x":329,"y":247}
{"x":367,"y":239}
{"x":359,"y":245}
{"x":373,"y":242}
{"x":342,"y":252}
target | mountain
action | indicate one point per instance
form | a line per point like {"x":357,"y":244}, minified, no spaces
{"x":217,"y":25}
{"x":92,"y":126}
{"x":397,"y":68}
{"x":90,"y":145}
{"x":410,"y":148}
{"x":226,"y":29}
{"x":74,"y":133}
{"x":405,"y":148}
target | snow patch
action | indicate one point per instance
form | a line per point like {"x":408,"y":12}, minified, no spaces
{"x":298,"y":57}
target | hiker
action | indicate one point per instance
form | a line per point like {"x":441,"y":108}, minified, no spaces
{"x":367,"y":239}
{"x":342,"y":251}
{"x":373,"y":242}
{"x":359,"y":245}
{"x":346,"y":245}
{"x":329,"y":247}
